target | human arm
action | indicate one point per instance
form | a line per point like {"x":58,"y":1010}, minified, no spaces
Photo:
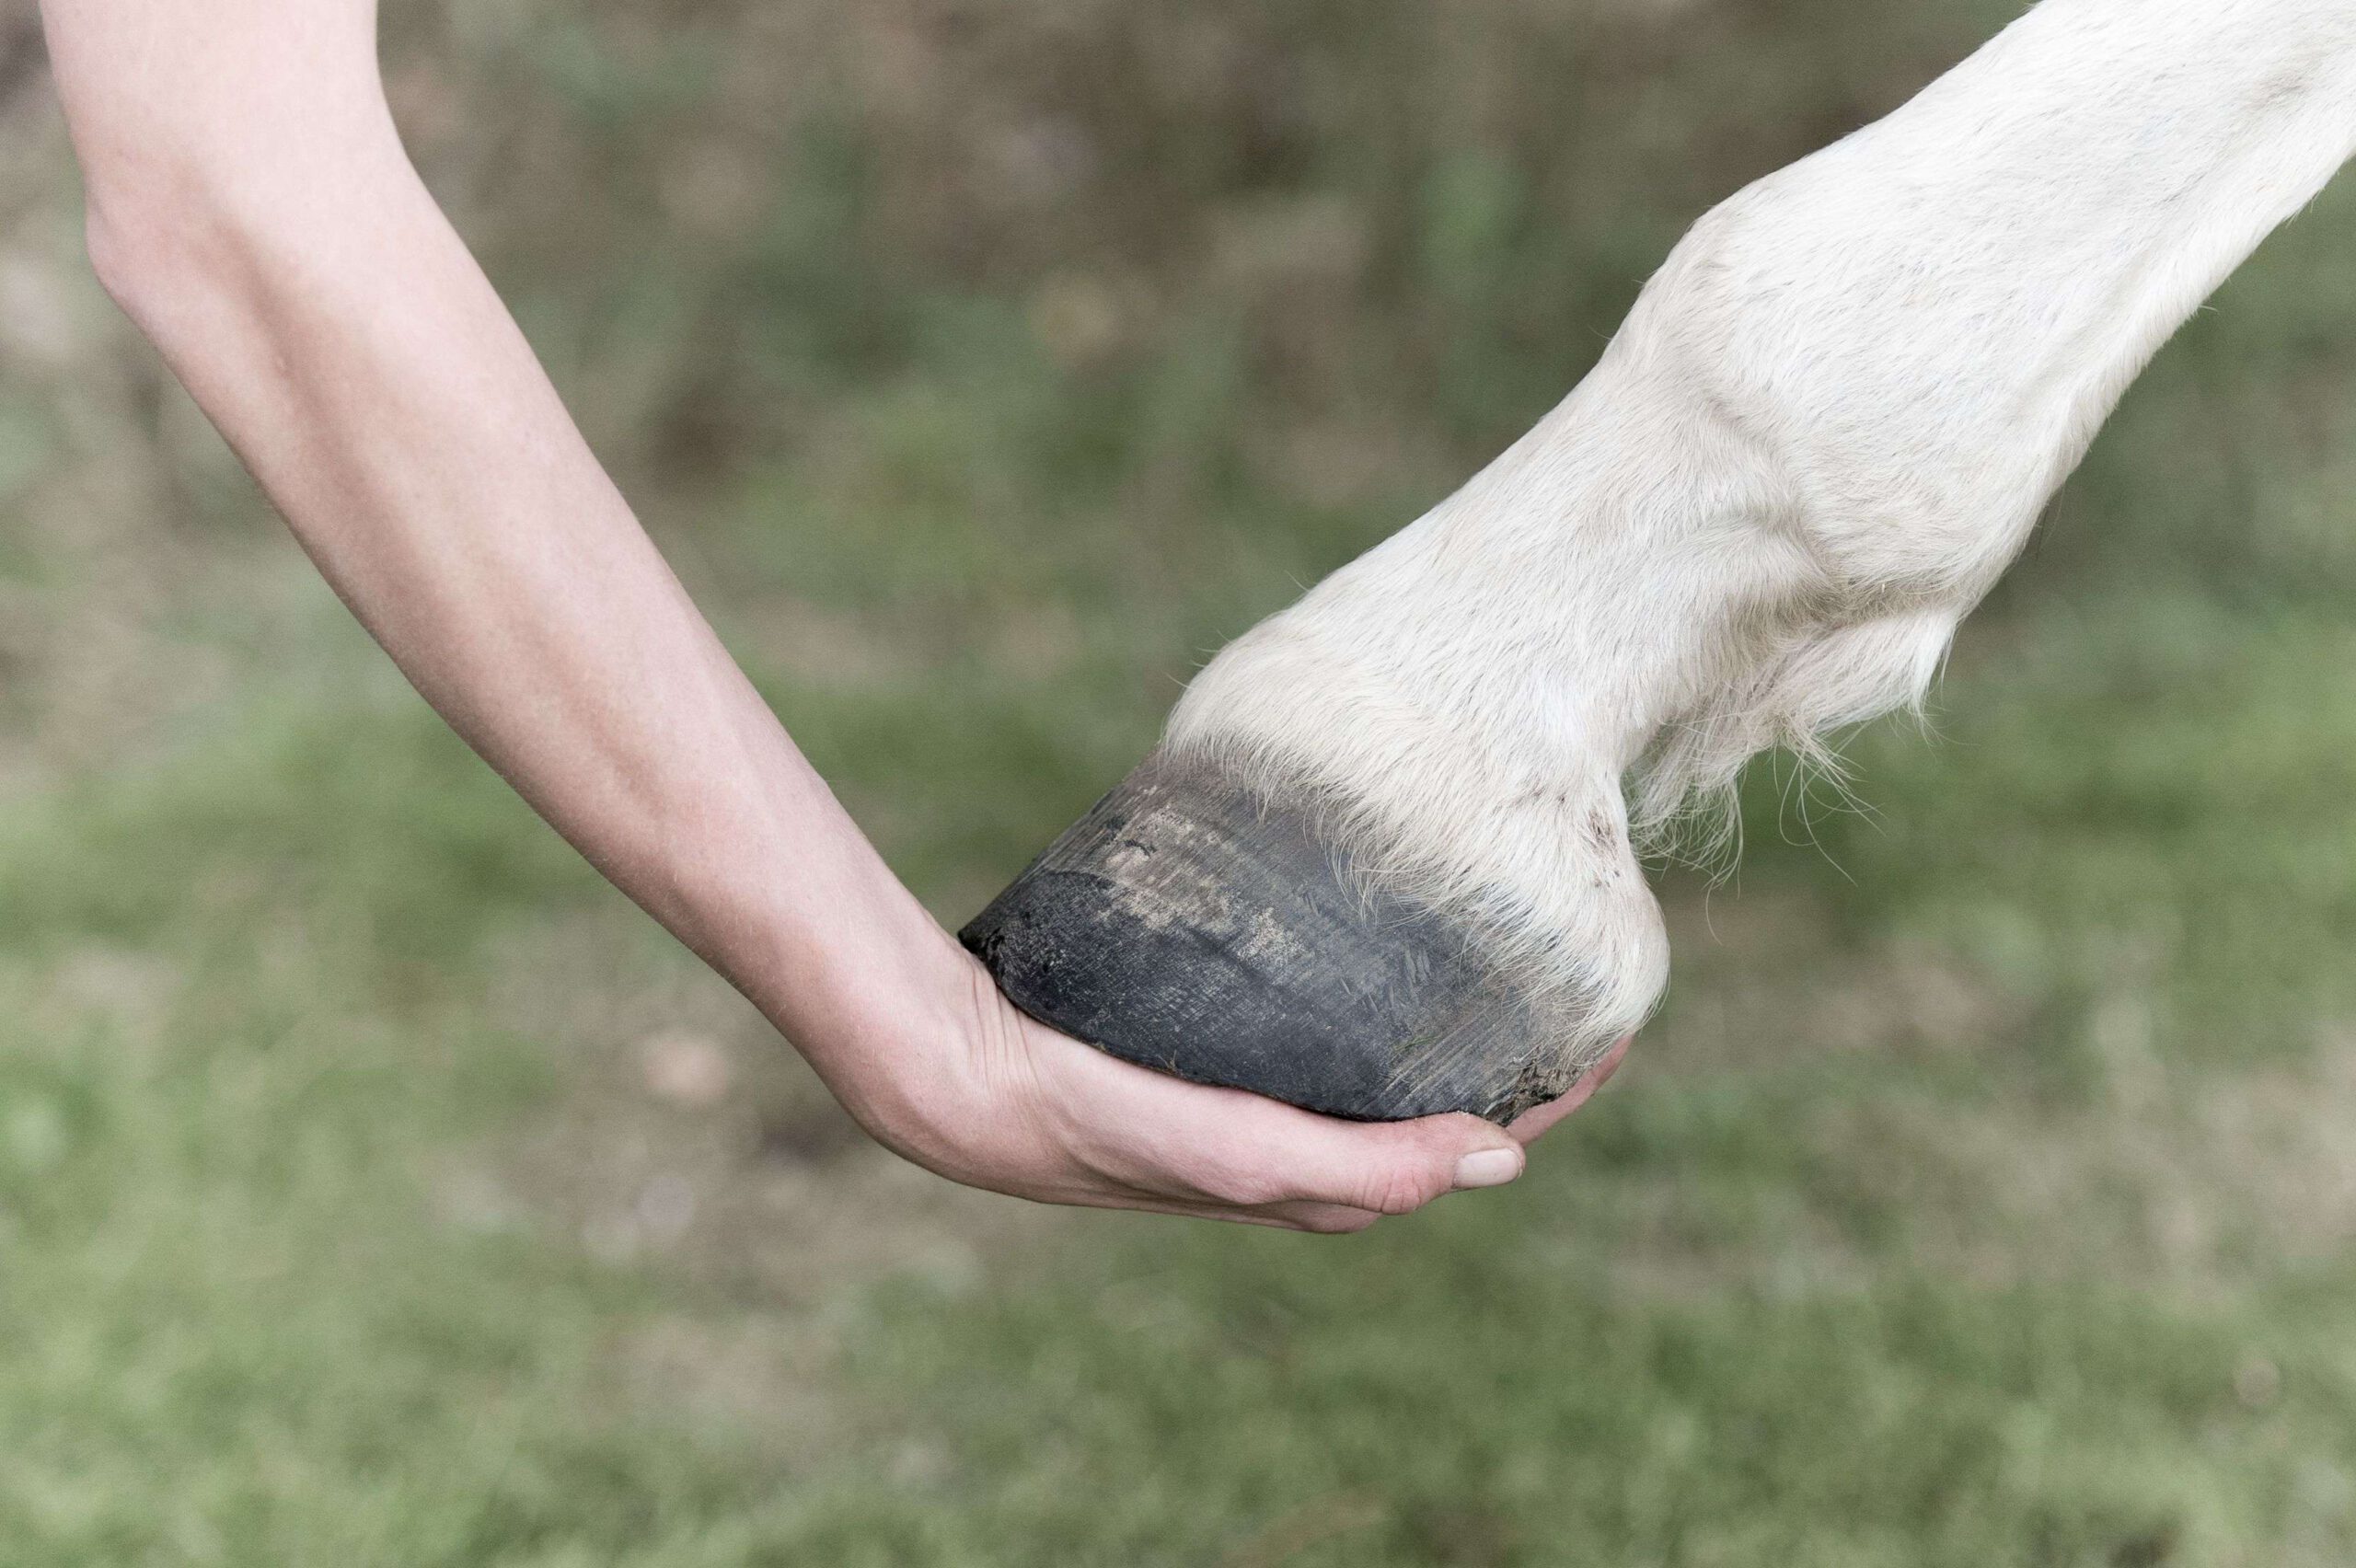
{"x":252,"y":207}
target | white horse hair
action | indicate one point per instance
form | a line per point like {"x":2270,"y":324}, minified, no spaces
{"x":1827,"y":426}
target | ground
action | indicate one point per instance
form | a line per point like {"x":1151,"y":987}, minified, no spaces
{"x":376,"y":1187}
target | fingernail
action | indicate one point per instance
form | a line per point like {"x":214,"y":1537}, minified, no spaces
{"x":1488,"y":1168}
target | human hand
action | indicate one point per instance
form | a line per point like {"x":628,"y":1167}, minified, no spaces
{"x":995,"y":1099}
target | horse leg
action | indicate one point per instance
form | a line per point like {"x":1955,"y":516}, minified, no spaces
{"x":1385,"y":862}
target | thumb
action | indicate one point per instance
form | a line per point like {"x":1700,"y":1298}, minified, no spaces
{"x":1398,"y":1167}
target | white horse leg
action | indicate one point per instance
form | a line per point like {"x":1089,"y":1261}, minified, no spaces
{"x":1382,"y":863}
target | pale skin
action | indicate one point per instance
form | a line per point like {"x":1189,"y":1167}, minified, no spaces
{"x":252,"y":208}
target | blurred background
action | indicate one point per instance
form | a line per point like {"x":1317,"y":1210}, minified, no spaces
{"x":377,"y":1187}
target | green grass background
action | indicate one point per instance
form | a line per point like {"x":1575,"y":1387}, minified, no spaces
{"x":1985,"y":1195}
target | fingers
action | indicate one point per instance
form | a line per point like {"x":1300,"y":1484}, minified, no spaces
{"x":1324,"y":1219}
{"x":1147,"y":1140}
{"x":1342,"y":1174}
{"x":1529,"y":1126}
{"x":1190,"y":1143}
{"x":1321,"y":1219}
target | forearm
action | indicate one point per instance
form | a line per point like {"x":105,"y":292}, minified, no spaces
{"x":345,"y":342}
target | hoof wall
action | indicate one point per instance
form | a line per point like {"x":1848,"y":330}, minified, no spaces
{"x":1186,"y":925}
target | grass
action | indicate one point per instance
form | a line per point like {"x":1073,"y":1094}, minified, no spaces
{"x":1982,"y":1196}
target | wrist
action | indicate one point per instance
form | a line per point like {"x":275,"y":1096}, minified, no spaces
{"x":835,"y":952}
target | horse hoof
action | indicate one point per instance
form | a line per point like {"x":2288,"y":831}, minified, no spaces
{"x":1187,"y":924}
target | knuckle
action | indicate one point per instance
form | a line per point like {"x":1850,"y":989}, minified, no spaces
{"x":1402,"y":1189}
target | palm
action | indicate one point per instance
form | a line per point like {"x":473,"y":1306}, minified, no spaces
{"x":1090,"y":1129}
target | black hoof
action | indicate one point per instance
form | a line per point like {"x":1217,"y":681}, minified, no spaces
{"x":1186,"y":925}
